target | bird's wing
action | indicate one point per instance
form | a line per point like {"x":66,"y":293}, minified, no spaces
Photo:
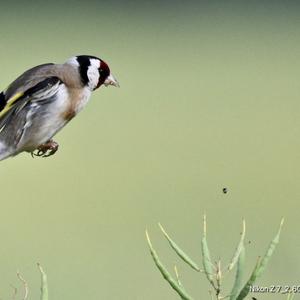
{"x":34,"y":86}
{"x":29,"y":79}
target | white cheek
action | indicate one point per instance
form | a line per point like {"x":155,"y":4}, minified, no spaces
{"x":93,"y":75}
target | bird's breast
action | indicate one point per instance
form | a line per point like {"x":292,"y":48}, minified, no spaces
{"x":78,"y":98}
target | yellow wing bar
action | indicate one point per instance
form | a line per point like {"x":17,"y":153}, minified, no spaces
{"x":10,"y":103}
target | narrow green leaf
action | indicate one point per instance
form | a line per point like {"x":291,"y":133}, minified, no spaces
{"x":239,"y":274}
{"x":178,"y":279}
{"x":206,"y":261}
{"x":270,"y":250}
{"x":179,"y":251}
{"x":260,"y":267}
{"x":290,"y":296}
{"x":238,"y":248}
{"x":180,"y":291}
{"x":177,"y":276}
{"x":44,"y":284}
{"x":245,"y":291}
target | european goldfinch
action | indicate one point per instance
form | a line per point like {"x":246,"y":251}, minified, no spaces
{"x":44,"y":99}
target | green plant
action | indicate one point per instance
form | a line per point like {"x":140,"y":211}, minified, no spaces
{"x":44,"y":285}
{"x":212,"y":270}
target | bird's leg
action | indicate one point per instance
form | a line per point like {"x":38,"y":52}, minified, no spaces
{"x":46,"y":149}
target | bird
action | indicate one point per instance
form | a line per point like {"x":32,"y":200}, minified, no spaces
{"x":41,"y":101}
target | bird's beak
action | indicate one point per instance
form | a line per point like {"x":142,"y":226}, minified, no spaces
{"x":111,"y":80}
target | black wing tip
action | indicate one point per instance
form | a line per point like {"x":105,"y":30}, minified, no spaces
{"x":2,"y":101}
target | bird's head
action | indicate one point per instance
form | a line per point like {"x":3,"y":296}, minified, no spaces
{"x":93,"y":71}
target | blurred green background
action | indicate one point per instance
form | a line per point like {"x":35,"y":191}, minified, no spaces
{"x":209,"y":98}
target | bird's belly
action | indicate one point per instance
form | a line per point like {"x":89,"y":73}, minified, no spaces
{"x":45,"y":122}
{"x":43,"y":133}
{"x":46,"y":130}
{"x":52,"y":117}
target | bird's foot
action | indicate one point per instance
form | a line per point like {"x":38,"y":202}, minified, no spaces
{"x":45,"y":150}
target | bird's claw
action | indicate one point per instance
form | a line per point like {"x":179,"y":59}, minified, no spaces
{"x":45,"y":150}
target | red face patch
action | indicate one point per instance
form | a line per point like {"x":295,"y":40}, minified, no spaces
{"x":104,"y":72}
